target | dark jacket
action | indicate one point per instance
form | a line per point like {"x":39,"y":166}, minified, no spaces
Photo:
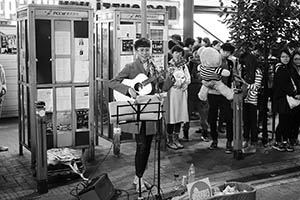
{"x":195,"y":85}
{"x":282,"y":86}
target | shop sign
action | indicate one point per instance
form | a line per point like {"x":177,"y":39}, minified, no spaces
{"x":60,"y":13}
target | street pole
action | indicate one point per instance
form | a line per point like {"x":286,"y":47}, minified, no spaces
{"x":144,"y":18}
{"x":188,"y":19}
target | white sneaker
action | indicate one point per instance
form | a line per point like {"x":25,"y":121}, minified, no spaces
{"x":136,"y":183}
{"x":3,"y":148}
{"x":136,"y":180}
{"x":245,"y":144}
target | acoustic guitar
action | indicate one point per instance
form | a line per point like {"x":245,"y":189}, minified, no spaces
{"x":141,"y":83}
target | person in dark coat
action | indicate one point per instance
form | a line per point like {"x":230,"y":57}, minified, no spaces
{"x":283,"y":86}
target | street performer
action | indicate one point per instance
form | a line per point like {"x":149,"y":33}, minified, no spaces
{"x":144,"y":136}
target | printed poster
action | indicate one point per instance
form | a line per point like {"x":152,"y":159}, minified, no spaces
{"x":82,"y":97}
{"x":81,"y":49}
{"x":46,"y":96}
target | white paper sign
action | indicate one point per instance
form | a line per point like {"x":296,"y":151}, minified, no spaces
{"x":63,"y":99}
{"x":199,"y":190}
{"x":46,"y":96}
{"x":62,"y":43}
{"x":63,"y":70}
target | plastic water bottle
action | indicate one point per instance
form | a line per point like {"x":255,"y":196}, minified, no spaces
{"x":191,"y":174}
{"x":176,"y":182}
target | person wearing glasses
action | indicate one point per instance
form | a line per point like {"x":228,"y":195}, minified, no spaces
{"x":147,"y":129}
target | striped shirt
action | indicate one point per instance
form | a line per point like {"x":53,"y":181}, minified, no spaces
{"x":253,"y":89}
{"x":210,"y":74}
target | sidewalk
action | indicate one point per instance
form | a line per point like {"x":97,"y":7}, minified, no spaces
{"x":17,"y":182}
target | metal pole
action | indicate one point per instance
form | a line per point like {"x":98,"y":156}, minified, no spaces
{"x":41,"y":149}
{"x":237,"y":125}
{"x":188,"y":19}
{"x":144,"y":18}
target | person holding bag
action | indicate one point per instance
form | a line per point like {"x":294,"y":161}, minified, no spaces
{"x":294,"y":102}
{"x":283,"y":87}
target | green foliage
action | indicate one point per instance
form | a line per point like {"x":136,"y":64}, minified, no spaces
{"x":262,"y":24}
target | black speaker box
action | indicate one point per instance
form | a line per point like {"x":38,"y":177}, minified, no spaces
{"x":100,"y":188}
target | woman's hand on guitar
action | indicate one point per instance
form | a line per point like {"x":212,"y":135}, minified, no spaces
{"x":132,"y":93}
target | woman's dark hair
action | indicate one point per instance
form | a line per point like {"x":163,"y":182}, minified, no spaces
{"x":286,"y":51}
{"x":296,"y":52}
{"x":215,"y":42}
{"x":142,"y":42}
{"x":177,"y":48}
{"x":199,"y":40}
{"x":207,"y":41}
{"x":176,"y":37}
{"x":250,"y":64}
{"x":171,"y":44}
{"x":189,"y":41}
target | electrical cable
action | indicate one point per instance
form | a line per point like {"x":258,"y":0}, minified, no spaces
{"x":119,"y":192}
{"x":102,"y":161}
{"x":75,"y":191}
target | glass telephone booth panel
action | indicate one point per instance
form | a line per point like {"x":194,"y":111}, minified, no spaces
{"x":116,"y":30}
{"x":56,"y":66}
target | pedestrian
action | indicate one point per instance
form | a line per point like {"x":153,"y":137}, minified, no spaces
{"x":251,"y":77}
{"x":295,"y":75}
{"x":3,"y":90}
{"x":175,"y":105}
{"x":147,"y":129}
{"x":217,"y":101}
{"x":282,"y":87}
{"x":194,"y":103}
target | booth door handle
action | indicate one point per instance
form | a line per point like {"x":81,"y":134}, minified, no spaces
{"x":50,"y":59}
{"x":36,"y":60}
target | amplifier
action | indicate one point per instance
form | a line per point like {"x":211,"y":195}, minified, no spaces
{"x":100,"y":188}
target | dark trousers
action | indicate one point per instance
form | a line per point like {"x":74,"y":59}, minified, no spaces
{"x":173,"y":128}
{"x":295,"y":123}
{"x":283,"y":129}
{"x":202,"y":108}
{"x":217,"y":102}
{"x":250,"y":122}
{"x":143,"y":147}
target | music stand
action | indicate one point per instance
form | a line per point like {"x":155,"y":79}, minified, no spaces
{"x":140,"y":109}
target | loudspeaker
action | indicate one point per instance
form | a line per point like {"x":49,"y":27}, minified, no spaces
{"x":100,"y":188}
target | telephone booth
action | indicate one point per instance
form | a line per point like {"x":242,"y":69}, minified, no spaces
{"x":55,"y":65}
{"x":116,"y":30}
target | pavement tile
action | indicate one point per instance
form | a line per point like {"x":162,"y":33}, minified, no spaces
{"x":17,"y":182}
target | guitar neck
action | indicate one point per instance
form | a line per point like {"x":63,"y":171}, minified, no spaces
{"x":149,"y":80}
{"x":153,"y":78}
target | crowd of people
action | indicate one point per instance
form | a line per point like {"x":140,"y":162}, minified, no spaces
{"x":246,"y":72}
{"x":200,"y":83}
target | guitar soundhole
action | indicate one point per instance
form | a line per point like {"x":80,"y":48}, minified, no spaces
{"x":138,"y":86}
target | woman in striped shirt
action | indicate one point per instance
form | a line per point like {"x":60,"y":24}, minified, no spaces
{"x":252,"y":79}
